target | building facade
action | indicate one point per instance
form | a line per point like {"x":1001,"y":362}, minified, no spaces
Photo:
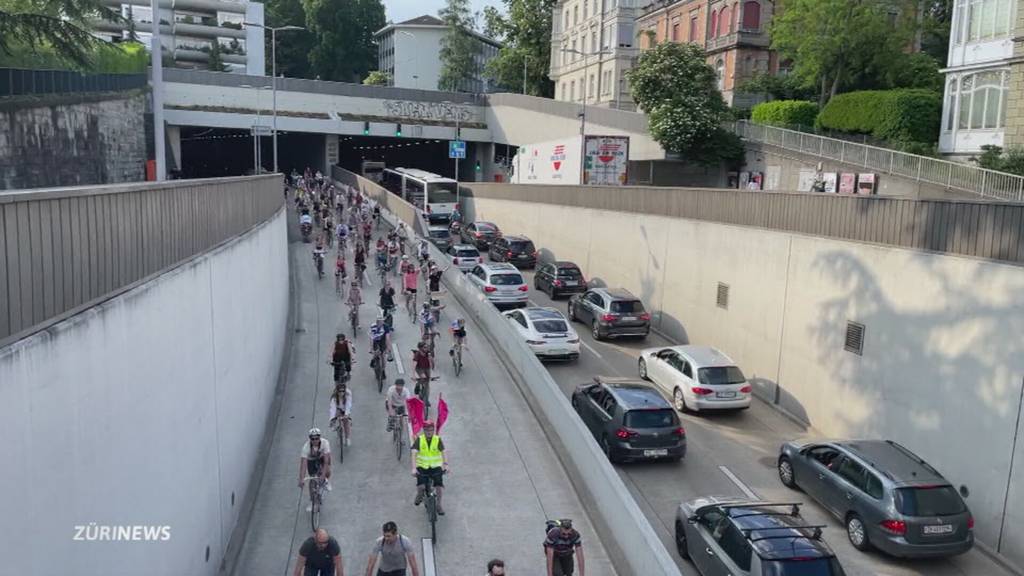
{"x":593,"y":44}
{"x":734,"y":34}
{"x":410,"y":53}
{"x":981,"y":106}
{"x":188,"y":29}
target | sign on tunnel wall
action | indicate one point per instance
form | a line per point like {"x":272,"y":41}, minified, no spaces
{"x":429,"y":110}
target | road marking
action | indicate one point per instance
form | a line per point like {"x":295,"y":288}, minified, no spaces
{"x":398,"y":358}
{"x":739,"y":483}
{"x":428,"y":558}
{"x":592,"y":351}
{"x":369,"y":281}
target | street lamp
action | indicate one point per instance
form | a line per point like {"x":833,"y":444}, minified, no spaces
{"x":583,"y":113}
{"x":273,"y":72}
{"x":257,"y":159}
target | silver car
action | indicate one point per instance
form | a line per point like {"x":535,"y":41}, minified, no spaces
{"x":501,"y":283}
{"x":464,"y":257}
{"x":887,"y":496}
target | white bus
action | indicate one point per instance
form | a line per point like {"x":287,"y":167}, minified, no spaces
{"x":435,"y":195}
{"x":373,"y":170}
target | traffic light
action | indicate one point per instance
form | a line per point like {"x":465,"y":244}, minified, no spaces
{"x":366,"y":128}
{"x":477,"y":165}
{"x":398,"y":129}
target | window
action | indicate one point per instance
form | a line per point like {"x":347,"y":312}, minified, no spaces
{"x":720,"y":73}
{"x":593,"y":42}
{"x":725,"y":21}
{"x":590,"y":86}
{"x":506,"y":279}
{"x":565,"y":91}
{"x":565,"y":20}
{"x":596,"y":300}
{"x":625,"y":34}
{"x":853,"y":473}
{"x":551,"y":326}
{"x":607,"y":82}
{"x":722,"y":296}
{"x":721,"y":375}
{"x":693,"y":29}
{"x":572,"y":90}
{"x":651,"y":418}
{"x":978,"y":20}
{"x":825,"y":455}
{"x":687,"y":370}
{"x":714,"y":24}
{"x":585,"y":6}
{"x":752,"y":15}
{"x":518,"y":317}
{"x":931,"y":501}
{"x":736,"y":547}
{"x":627,"y":307}
{"x":575,"y":15}
{"x":675,"y":31}
{"x":854,"y":338}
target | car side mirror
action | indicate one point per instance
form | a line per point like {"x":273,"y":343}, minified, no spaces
{"x":692,"y":519}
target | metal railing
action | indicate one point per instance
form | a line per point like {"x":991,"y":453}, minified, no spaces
{"x":20,"y":82}
{"x":950,"y":175}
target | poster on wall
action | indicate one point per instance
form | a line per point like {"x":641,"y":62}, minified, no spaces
{"x":807,"y":178}
{"x":744,"y":178}
{"x":772,"y":176}
{"x":847,"y":183}
{"x":606,"y":160}
{"x":831,"y":179}
{"x":756,"y":178}
{"x":866,"y":184}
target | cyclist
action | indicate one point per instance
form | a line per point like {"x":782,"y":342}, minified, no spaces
{"x":394,"y":401}
{"x":382,"y":254}
{"x":359,"y":259}
{"x":355,"y":295}
{"x":376,"y":214}
{"x":429,"y":461}
{"x":341,"y":231}
{"x":315,"y":460}
{"x":341,"y":410}
{"x":458,"y":332}
{"x":387,"y":298}
{"x":318,"y":255}
{"x":427,"y":319}
{"x":339,"y":267}
{"x":562,"y":543}
{"x":421,"y":362}
{"x":341,"y":353}
{"x":329,"y":229}
{"x":424,"y":251}
{"x":367,"y":232}
{"x":392,"y":251}
{"x":320,"y":555}
{"x":380,"y":338}
{"x":396,"y":553}
{"x":434,"y":274}
{"x":403,"y":236}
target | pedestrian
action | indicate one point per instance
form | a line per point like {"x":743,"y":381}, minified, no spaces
{"x":496,"y":567}
{"x":563,"y":542}
{"x":319,"y":555}
{"x":395,"y":552}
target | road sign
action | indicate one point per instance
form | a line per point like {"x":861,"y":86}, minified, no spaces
{"x":457,"y":149}
{"x":260,"y":130}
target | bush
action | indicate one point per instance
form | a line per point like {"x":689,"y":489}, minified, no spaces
{"x":995,"y":158}
{"x":785,"y":113}
{"x":898,"y":116}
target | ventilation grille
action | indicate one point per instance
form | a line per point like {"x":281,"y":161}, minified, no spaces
{"x":854,"y":338}
{"x":723,"y":296}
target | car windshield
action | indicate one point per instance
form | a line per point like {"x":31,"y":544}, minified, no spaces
{"x":802,"y":567}
{"x":519,"y":246}
{"x":568,"y":273}
{"x":627,"y":307}
{"x":506,"y":279}
{"x":438,"y":233}
{"x":467,"y":253}
{"x":651,"y":419}
{"x":551,"y":326}
{"x":720,"y":375}
{"x":929,"y":501}
{"x":485,"y":228}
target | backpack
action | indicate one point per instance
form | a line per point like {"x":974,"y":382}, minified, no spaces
{"x":549,"y":525}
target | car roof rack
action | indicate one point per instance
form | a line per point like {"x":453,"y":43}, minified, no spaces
{"x":794,"y":508}
{"x":814,"y":528}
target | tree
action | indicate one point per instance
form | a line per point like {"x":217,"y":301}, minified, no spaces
{"x":60,"y":26}
{"x":526,"y":34}
{"x":458,"y":47}
{"x":778,"y":87}
{"x":936,"y":20}
{"x":294,"y":46}
{"x":344,"y":49}
{"x":377,"y":78}
{"x":673,"y":84}
{"x":215,"y":61}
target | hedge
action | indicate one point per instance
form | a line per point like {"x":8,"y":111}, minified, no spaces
{"x":906,"y":115}
{"x":785,"y":113}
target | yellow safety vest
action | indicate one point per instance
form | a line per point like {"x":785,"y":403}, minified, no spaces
{"x":429,"y":455}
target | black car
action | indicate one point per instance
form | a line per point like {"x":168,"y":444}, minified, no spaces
{"x":630,"y":419}
{"x":516,"y":250}
{"x":480,"y":234}
{"x":732,"y":536}
{"x":557,"y":278}
{"x":611,"y":312}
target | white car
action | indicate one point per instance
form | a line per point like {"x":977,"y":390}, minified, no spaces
{"x":696,"y":377}
{"x":546,"y":332}
{"x":464,"y":257}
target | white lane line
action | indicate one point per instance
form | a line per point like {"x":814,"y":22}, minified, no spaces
{"x":366,"y":274}
{"x":739,"y":483}
{"x":591,"y":348}
{"x":398,"y":358}
{"x":428,"y":558}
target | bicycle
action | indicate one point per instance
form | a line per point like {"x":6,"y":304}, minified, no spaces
{"x":378,"y":369}
{"x":430,"y":505}
{"x":382,"y":271}
{"x":423,"y":392}
{"x":339,"y":424}
{"x":399,"y":423}
{"x":457,"y":356}
{"x":339,"y":283}
{"x":319,"y":261}
{"x":353,"y":317}
{"x":410,"y":305}
{"x":316,"y":494}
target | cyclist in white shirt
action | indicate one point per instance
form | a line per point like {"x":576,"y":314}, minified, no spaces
{"x":394,"y":401}
{"x":315,"y":459}
{"x":341,"y":410}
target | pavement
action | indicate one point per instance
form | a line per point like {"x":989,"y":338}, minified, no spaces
{"x":731,"y":454}
{"x":505,"y":477}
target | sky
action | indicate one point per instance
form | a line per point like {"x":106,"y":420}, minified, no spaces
{"x":401,"y":10}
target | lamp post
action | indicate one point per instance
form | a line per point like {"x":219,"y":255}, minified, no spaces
{"x":583,"y":112}
{"x":257,"y":159}
{"x":273,"y":72}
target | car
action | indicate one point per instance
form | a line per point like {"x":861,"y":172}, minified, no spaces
{"x":501,"y":282}
{"x":480,"y":234}
{"x":546,"y":332}
{"x":886,"y":496}
{"x":464,"y":257}
{"x":734,"y":536}
{"x":610,"y":313}
{"x":516,"y":250}
{"x":697,"y":378}
{"x":630,"y":420}
{"x":440,"y":236}
{"x":557,"y":278}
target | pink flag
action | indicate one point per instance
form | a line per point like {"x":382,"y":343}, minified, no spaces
{"x":442,"y":412}
{"x":414,"y":406}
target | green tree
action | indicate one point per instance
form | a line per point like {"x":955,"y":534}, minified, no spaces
{"x":293,"y":46}
{"x":526,"y":35}
{"x":58,"y":26}
{"x":215,"y":60}
{"x":344,"y":49}
{"x":377,"y":78}
{"x":673,"y":84}
{"x":778,"y":87}
{"x":458,"y":47}
{"x":936,"y":21}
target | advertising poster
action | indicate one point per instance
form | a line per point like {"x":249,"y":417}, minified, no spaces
{"x":866,"y":184}
{"x":831,"y":179}
{"x":806,"y":182}
{"x":847,"y":183}
{"x":772,"y":176}
{"x":606,"y":160}
{"x":744,"y":179}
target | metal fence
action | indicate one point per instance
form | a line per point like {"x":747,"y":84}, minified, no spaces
{"x":951,"y":175}
{"x":65,"y":249}
{"x":20,"y":82}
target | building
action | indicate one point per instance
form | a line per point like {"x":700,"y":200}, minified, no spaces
{"x":410,"y":53}
{"x":188,"y":29}
{"x":734,"y":33}
{"x":593,"y":44}
{"x":978,"y":92}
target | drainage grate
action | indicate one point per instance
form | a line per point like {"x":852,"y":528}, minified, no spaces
{"x":723,"y":296}
{"x":854,"y":338}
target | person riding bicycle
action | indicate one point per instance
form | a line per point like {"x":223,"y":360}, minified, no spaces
{"x":355,"y":295}
{"x":427,"y":318}
{"x":410,"y":277}
{"x":341,"y":410}
{"x":367,"y":231}
{"x":434,"y":273}
{"x":456,"y":216}
{"x":318,"y":254}
{"x":458,"y":331}
{"x":421,"y":362}
{"x":387,"y":297}
{"x":403,"y":235}
{"x":376,"y":213}
{"x":341,"y":353}
{"x":392,"y":249}
{"x":341,"y":231}
{"x":360,"y":258}
{"x":424,"y":250}
{"x":381,"y":256}
{"x":429,"y":462}
{"x":380,"y":338}
{"x":315,"y":460}
{"x":339,"y":266}
{"x":394,"y":401}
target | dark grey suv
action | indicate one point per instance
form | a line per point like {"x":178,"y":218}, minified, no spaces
{"x":887,"y":497}
{"x":630,"y":419}
{"x":611,"y":312}
{"x":731,"y":536}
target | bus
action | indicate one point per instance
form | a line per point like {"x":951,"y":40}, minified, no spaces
{"x":434,"y":195}
{"x":373,"y":170}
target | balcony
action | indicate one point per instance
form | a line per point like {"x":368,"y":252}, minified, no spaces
{"x":757,"y":38}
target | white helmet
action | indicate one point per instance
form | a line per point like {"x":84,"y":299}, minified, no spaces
{"x":314,"y":432}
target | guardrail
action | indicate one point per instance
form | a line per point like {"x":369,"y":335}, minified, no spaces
{"x":63,"y":250}
{"x":951,"y":175}
{"x":20,"y":82}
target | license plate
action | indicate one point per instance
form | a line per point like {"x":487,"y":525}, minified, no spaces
{"x":726,"y":394}
{"x":939,"y":529}
{"x":629,"y":318}
{"x":572,"y":283}
{"x":522,"y":256}
{"x":650,"y":453}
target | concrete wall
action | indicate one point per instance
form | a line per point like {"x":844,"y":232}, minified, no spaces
{"x":943,"y":361}
{"x":69,"y":140}
{"x":145,"y":410}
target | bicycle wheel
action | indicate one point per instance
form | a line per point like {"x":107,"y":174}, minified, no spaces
{"x":379,"y":370}
{"x":341,"y":440}
{"x":432,"y":514}
{"x":398,"y":438}
{"x":457,"y":360}
{"x":314,"y":496}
